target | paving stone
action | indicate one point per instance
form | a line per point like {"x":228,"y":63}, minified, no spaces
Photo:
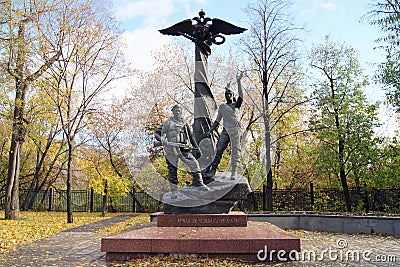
{"x":95,"y":226}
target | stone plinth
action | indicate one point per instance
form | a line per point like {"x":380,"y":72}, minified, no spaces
{"x":223,"y":195}
{"x":210,"y":242}
{"x":233,"y":219}
{"x":200,"y":224}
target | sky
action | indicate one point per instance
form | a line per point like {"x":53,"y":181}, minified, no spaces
{"x":343,"y":20}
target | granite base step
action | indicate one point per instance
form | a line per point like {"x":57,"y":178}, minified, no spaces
{"x":248,"y":243}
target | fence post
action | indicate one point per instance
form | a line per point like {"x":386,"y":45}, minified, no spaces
{"x":312,"y":195}
{"x":91,"y":199}
{"x":366,"y":199}
{"x":264,"y":197}
{"x":134,"y":199}
{"x":50,"y":199}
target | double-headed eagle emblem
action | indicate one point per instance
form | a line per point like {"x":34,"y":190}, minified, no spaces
{"x":204,"y":32}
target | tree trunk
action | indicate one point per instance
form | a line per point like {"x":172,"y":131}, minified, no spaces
{"x":12,"y":187}
{"x":18,"y":129}
{"x":70,"y":218}
{"x":29,"y":199}
{"x":277,"y":160}
{"x":342,"y":173}
{"x":40,"y":157}
{"x":269,"y":191}
{"x":268,"y":164}
{"x":343,"y":178}
{"x":18,"y":135}
{"x":267,"y":144}
{"x":104,"y":204}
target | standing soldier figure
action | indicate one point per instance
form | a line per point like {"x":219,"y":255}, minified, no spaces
{"x":178,"y":142}
{"x":229,"y":113}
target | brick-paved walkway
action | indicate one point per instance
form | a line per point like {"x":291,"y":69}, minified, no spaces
{"x":346,"y":250}
{"x":81,"y":247}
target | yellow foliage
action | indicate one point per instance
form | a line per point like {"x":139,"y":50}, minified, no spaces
{"x":189,"y":261}
{"x":102,"y":175}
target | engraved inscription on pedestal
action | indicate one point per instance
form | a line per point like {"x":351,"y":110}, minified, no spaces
{"x":233,"y":219}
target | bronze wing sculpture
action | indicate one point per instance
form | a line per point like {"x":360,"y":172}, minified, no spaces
{"x":204,"y":32}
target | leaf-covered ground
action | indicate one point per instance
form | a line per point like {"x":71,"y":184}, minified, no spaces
{"x":140,"y":218}
{"x":187,"y":262}
{"x":190,"y":262}
{"x":36,"y":225}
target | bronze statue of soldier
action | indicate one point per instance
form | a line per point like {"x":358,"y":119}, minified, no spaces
{"x":179,"y":143}
{"x":229,"y":113}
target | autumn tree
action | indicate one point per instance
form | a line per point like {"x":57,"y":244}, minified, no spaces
{"x":343,"y":119}
{"x":29,"y":50}
{"x":385,"y":14}
{"x":41,"y":161}
{"x":103,"y":177}
{"x":107,"y":126}
{"x":90,"y":61}
{"x":44,"y":146}
{"x":385,"y":170}
{"x":271,"y":45}
{"x":294,"y":146}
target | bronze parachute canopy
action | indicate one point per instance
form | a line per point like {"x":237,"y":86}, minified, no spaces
{"x":204,"y":32}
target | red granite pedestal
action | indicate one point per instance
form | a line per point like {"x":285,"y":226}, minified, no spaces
{"x":205,"y":235}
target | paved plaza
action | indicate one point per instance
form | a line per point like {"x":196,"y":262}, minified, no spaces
{"x":81,"y":247}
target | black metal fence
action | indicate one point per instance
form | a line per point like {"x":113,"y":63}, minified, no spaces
{"x":88,"y":201}
{"x":373,"y":200}
{"x":320,"y":200}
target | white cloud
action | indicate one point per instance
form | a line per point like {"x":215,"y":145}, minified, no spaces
{"x":187,"y":6}
{"x":142,"y":19}
{"x":140,"y":45}
{"x":329,"y":6}
{"x":152,"y":11}
{"x":312,"y":7}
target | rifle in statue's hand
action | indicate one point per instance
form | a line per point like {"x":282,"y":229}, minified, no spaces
{"x":173,"y":144}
